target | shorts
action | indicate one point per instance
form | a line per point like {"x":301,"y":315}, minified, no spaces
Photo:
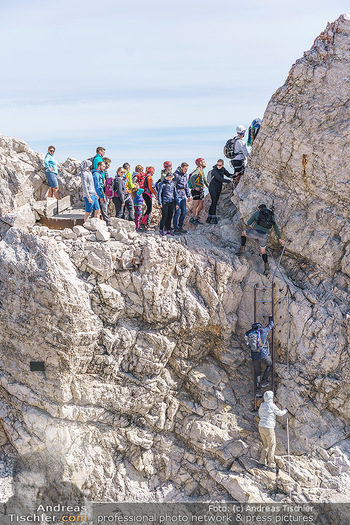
{"x":260,"y":236}
{"x":94,"y":205}
{"x":51,"y":179}
{"x":198,"y":195}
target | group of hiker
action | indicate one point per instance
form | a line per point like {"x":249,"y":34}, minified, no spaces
{"x":132,"y":195}
{"x":133,"y":192}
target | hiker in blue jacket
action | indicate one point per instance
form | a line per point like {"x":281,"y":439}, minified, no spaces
{"x":181,"y":183}
{"x":99,"y":187}
{"x":51,"y":172}
{"x":256,"y":339}
{"x":167,"y":197}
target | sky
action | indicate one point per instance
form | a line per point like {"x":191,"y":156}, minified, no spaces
{"x":149,"y":80}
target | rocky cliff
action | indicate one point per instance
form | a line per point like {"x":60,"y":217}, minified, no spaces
{"x":147,"y":388}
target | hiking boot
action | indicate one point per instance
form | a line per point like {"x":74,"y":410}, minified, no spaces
{"x":241,"y":250}
{"x":196,"y":222}
{"x":267,"y":267}
{"x":169,"y":232}
{"x":161,"y":232}
{"x":181,"y":230}
{"x":272,"y":469}
{"x":177,"y":231}
{"x":265,"y":383}
{"x":214,"y":220}
{"x":208,"y":221}
{"x":192,"y":220}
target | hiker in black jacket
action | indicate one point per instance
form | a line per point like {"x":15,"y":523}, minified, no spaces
{"x":215,"y":187}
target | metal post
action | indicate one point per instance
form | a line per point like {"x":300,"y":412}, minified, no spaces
{"x":272,"y":337}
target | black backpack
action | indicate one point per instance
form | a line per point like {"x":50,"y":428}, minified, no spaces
{"x":91,"y":159}
{"x":266,"y":218}
{"x":229,"y":149}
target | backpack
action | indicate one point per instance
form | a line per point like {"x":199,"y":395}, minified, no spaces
{"x":229,"y":149}
{"x":109,"y":191}
{"x":209,"y":176}
{"x":266,"y":218}
{"x":91,"y":159}
{"x":253,"y":131}
{"x":253,"y":340}
{"x":193,"y":180}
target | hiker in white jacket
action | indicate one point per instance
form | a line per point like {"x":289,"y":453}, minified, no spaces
{"x":267,"y":413}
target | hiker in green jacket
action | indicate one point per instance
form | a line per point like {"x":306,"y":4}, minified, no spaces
{"x":263,"y":220}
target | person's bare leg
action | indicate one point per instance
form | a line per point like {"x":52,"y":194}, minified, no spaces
{"x":97,"y":214}
{"x":194,"y":209}
{"x":50,"y":194}
{"x":56,"y":193}
{"x":86,"y":216}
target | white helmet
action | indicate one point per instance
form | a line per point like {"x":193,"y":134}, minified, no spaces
{"x":240,"y":129}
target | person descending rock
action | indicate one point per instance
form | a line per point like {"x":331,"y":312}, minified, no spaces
{"x":263,"y":220}
{"x":167,"y":197}
{"x":89,"y":192}
{"x":267,"y":413}
{"x":136,"y":193}
{"x":236,"y":150}
{"x":148,"y":196}
{"x":256,"y":339}
{"x":215,"y":187}
{"x":51,"y":173}
{"x":119,"y":193}
{"x":196,"y":183}
{"x":99,"y":188}
{"x":181,"y":183}
{"x":129,"y":204}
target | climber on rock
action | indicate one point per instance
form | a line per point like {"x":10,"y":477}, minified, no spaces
{"x":267,"y":413}
{"x":236,"y":150}
{"x":256,"y":339}
{"x":263,"y":220}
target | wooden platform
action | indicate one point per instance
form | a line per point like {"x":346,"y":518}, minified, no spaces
{"x":68,"y":219}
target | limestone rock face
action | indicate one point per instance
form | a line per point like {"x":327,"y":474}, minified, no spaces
{"x":300,"y":158}
{"x":147,"y":388}
{"x":22,"y":176}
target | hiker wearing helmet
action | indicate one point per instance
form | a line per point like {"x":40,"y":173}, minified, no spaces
{"x":167,"y":197}
{"x":215,"y":187}
{"x":263,"y":220}
{"x":267,"y":413}
{"x":196,"y":183}
{"x":236,"y":150}
{"x":256,"y":339}
{"x":167,"y":168}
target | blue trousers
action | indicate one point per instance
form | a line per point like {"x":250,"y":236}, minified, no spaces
{"x":178,"y":222}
